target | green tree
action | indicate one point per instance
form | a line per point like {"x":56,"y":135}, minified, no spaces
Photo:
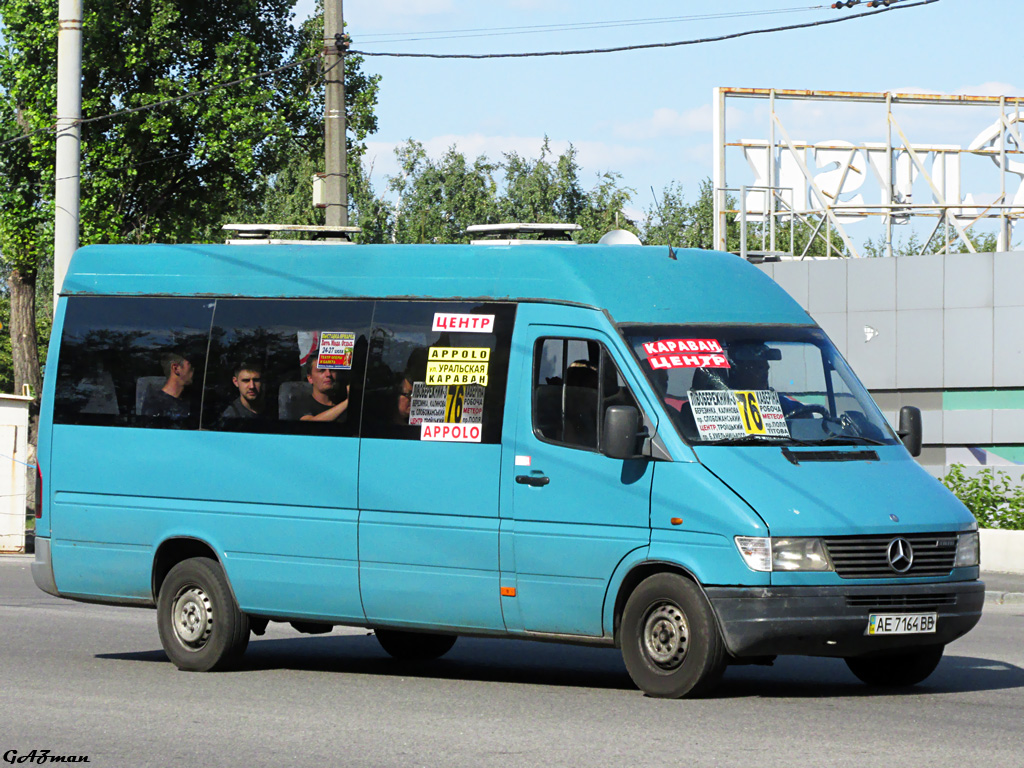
{"x":912,"y":245}
{"x":541,"y":191}
{"x":285,"y":193}
{"x":437,"y":200}
{"x":175,"y":172}
{"x":27,"y":94}
{"x":995,"y":499}
{"x":671,"y":221}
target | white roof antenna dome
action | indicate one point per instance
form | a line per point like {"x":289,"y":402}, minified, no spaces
{"x":619,"y":237}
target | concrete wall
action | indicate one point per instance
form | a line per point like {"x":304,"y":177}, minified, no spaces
{"x":14,"y":471}
{"x":944,"y":333}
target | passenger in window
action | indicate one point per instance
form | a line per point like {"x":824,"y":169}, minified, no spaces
{"x":403,"y":401}
{"x":328,"y":400}
{"x":168,"y":401}
{"x":248,"y":380}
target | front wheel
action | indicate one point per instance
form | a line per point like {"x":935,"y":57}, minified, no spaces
{"x":200,"y":626}
{"x":670,"y":640}
{"x":414,"y":646}
{"x":898,"y":669}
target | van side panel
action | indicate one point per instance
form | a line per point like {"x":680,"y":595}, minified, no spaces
{"x":428,"y":533}
{"x":711,"y":516}
{"x":269,"y":505}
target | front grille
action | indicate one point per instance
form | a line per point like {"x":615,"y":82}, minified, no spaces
{"x":865,"y":600}
{"x":866,"y":557}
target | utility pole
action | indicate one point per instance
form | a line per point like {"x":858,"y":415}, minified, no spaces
{"x":69,"y":134}
{"x":336,"y":181}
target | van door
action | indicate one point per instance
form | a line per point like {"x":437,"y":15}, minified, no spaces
{"x":430,"y":458}
{"x":576,"y":512}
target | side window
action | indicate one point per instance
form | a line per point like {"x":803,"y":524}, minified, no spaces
{"x":287,"y":366}
{"x":437,"y":371}
{"x":132,"y":361}
{"x":574,"y":382}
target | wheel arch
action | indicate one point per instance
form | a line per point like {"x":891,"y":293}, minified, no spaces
{"x":635,"y":576}
{"x":174,"y":550}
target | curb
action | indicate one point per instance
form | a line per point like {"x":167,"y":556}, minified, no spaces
{"x":1004,"y":598}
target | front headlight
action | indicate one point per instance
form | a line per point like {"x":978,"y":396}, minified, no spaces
{"x":968,"y":550}
{"x":790,"y":554}
{"x":799,"y":554}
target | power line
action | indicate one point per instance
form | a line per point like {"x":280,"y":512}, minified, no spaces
{"x":618,"y":49}
{"x":643,"y":46}
{"x":190,"y":95}
{"x":451,"y":34}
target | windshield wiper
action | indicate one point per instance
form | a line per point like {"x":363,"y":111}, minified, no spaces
{"x":756,"y":440}
{"x":851,"y":440}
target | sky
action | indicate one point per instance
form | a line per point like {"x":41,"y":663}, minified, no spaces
{"x":647,"y":114}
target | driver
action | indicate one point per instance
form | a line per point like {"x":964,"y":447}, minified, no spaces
{"x":749,"y":364}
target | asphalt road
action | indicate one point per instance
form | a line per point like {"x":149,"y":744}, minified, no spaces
{"x":91,"y":680}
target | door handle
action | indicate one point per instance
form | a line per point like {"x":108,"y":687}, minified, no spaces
{"x":536,"y":481}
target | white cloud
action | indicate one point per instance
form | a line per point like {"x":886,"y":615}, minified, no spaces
{"x":530,"y":5}
{"x":666,"y":122}
{"x":990,"y":88}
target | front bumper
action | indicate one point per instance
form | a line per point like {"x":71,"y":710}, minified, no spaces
{"x":832,"y":621}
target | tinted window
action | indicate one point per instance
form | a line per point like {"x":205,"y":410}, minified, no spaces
{"x":132,"y":361}
{"x":755,"y":384}
{"x":262,"y":359}
{"x":435,"y":365}
{"x":574,"y":381}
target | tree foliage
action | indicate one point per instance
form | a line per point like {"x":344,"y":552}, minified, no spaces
{"x":671,"y":221}
{"x":912,"y":245}
{"x":437,"y":199}
{"x":285,"y":191}
{"x":994,"y":498}
{"x":177,"y":171}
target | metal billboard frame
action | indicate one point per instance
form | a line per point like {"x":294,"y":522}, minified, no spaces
{"x":829,"y":210}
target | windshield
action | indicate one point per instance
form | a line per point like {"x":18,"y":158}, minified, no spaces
{"x":730,"y":384}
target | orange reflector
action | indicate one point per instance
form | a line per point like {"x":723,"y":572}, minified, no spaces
{"x":508,"y":591}
{"x":676,"y":521}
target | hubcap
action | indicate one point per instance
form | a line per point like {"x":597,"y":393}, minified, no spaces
{"x":192,"y":617}
{"x":666,"y":636}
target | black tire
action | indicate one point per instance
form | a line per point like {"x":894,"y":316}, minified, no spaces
{"x":200,"y":625}
{"x":670,"y":639}
{"x":898,"y":669}
{"x":414,"y":646}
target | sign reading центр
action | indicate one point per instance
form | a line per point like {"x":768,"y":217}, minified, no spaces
{"x":462,"y":323}
{"x":685,"y":353}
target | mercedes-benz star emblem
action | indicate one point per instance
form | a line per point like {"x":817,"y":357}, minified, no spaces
{"x":901,"y":555}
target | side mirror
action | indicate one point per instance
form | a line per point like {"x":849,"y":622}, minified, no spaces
{"x":910,"y":429}
{"x":621,"y":432}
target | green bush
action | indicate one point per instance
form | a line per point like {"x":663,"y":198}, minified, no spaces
{"x":992,"y":496}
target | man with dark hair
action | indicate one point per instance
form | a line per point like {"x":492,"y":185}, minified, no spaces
{"x":248,"y":379}
{"x":168,"y":402}
{"x":329,"y":399}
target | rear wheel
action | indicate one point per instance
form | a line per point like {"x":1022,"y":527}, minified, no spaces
{"x":670,"y":640}
{"x":897,"y":669}
{"x":200,"y":626}
{"x":414,"y":646}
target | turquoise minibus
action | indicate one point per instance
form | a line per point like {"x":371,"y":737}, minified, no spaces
{"x":646,"y":448}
